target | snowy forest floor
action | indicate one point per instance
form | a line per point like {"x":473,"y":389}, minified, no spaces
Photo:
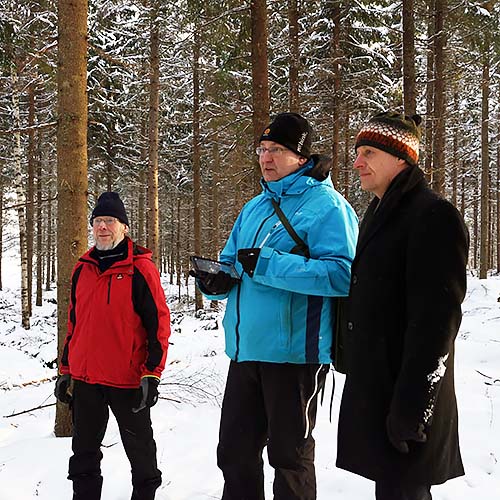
{"x":33,"y":463}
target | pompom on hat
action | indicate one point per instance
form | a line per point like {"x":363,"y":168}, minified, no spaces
{"x":394,"y":133}
{"x":109,"y":203}
{"x":292,"y":131}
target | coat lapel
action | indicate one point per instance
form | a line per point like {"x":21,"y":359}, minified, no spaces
{"x":380,"y":211}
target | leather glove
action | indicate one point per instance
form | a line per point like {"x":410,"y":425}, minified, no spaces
{"x":399,"y":437}
{"x":214,"y":284}
{"x":149,"y":393}
{"x":61,"y":389}
{"x":248,"y":258}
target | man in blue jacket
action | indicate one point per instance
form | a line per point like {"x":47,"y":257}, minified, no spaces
{"x":279,"y":319}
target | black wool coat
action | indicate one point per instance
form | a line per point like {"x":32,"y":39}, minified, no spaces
{"x":399,"y":327}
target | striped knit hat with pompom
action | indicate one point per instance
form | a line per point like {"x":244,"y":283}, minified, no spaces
{"x":393,"y":133}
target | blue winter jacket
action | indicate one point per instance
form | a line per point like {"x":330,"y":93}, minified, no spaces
{"x":284,"y":314}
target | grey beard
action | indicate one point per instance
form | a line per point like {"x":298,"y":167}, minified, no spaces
{"x":112,"y":245}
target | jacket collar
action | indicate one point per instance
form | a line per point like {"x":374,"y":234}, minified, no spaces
{"x":380,"y":210}
{"x":134,"y":252}
{"x":312,"y":173}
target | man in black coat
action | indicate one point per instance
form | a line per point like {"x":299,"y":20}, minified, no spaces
{"x":398,"y":423}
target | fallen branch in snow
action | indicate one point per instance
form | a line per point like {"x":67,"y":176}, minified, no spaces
{"x":26,"y":384}
{"x":495,"y":381}
{"x":28,"y":411}
{"x":192,"y":387}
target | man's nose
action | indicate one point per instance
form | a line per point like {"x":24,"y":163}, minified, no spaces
{"x":358,"y":162}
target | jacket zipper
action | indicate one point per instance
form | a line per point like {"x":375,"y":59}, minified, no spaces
{"x":237,"y":328}
{"x":238,"y":318}
{"x":109,"y":288}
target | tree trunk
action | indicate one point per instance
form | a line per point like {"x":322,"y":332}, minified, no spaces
{"x":48,"y":240}
{"x":19,"y":182}
{"x":154,"y":111}
{"x":454,"y":169}
{"x":196,"y":155}
{"x":497,"y":198}
{"x":347,"y":149}
{"x":293,"y":67}
{"x":260,"y":78}
{"x":30,"y":193}
{"x":438,"y":179}
{"x":72,"y":182}
{"x":475,"y":217}
{"x":409,"y":79}
{"x":337,"y":79}
{"x":1,"y":225}
{"x":485,"y":163}
{"x":429,"y":112}
{"x":39,"y":225}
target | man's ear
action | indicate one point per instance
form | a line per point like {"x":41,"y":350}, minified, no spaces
{"x":126,"y":229}
{"x":302,"y":160}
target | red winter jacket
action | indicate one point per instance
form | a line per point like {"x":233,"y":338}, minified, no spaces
{"x":118,"y":321}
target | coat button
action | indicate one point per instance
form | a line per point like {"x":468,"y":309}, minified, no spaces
{"x":350,"y":325}
{"x":354,"y":279}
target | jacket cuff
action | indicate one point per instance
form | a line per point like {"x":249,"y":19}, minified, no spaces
{"x":263,"y":261}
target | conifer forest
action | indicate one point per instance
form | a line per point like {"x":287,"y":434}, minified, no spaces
{"x":164,"y":101}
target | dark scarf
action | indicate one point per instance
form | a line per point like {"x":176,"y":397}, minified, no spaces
{"x":106,"y":258}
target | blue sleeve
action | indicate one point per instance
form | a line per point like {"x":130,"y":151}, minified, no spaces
{"x":331,"y":239}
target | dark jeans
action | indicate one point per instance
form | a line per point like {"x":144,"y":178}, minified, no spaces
{"x":271,"y":404}
{"x":389,"y":490}
{"x":91,"y":405}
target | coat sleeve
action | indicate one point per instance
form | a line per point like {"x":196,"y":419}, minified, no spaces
{"x":64,"y":362}
{"x":331,"y":238}
{"x":150,"y":304}
{"x":435,"y":288}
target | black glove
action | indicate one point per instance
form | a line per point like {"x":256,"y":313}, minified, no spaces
{"x":149,"y":391}
{"x":214,"y":284}
{"x":399,"y":437}
{"x":248,"y":258}
{"x":61,"y":389}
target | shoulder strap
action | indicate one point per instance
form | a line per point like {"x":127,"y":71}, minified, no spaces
{"x":301,"y":246}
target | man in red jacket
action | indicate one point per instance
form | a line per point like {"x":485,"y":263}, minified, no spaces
{"x":115,"y":351}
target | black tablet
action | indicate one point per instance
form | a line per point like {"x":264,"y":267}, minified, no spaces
{"x":214,"y":266}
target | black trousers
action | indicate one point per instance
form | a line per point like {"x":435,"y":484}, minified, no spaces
{"x":390,"y":490}
{"x":271,"y":404}
{"x":91,"y":405}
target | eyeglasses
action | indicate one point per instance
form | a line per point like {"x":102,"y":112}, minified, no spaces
{"x":108,"y":221}
{"x":273,"y":150}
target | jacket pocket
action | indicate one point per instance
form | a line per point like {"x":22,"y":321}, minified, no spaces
{"x":285,"y":333}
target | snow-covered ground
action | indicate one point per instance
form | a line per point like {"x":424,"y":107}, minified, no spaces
{"x":33,"y":463}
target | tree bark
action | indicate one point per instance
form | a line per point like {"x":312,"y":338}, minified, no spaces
{"x":429,"y":112}
{"x":48,"y":240}
{"x":72,"y":182}
{"x":485,"y":163}
{"x":337,"y":81}
{"x":19,"y":182}
{"x":454,"y":169}
{"x":154,"y":111}
{"x":30,"y":193}
{"x":196,"y":155}
{"x":438,"y":179}
{"x":39,"y":224}
{"x":497,"y":198}
{"x":293,"y":67}
{"x":260,"y":77}
{"x":409,"y":79}
{"x":1,"y":225}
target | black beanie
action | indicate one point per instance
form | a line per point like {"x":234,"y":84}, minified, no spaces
{"x":110,"y":204}
{"x":394,"y":133}
{"x":292,"y":131}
